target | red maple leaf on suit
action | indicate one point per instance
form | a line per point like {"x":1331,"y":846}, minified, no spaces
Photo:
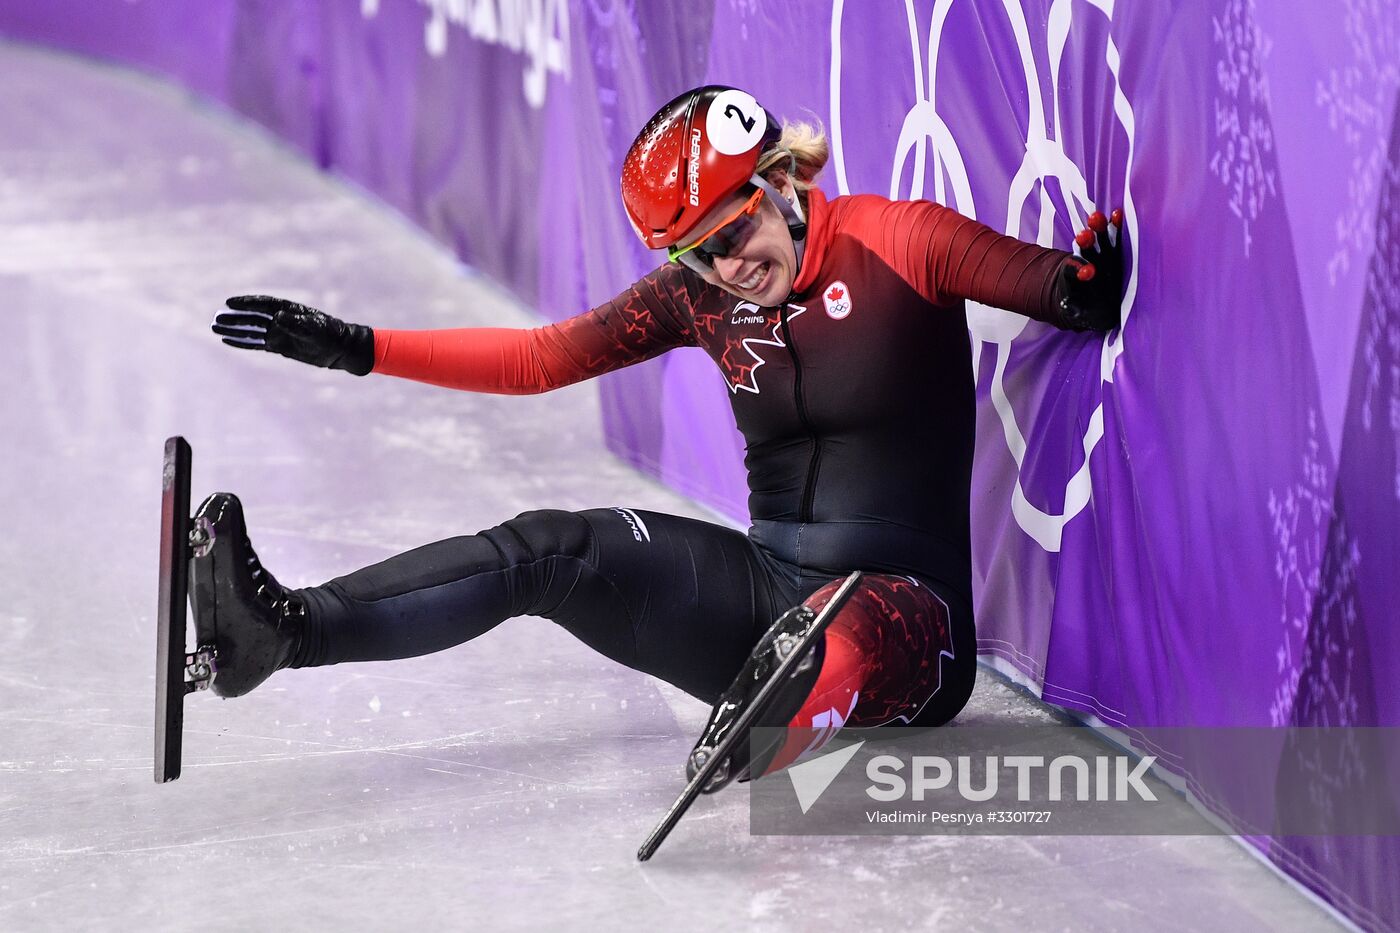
{"x":735,"y":367}
{"x":637,"y":318}
{"x":835,"y":294}
{"x":706,"y":322}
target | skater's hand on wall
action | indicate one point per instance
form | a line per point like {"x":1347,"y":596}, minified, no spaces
{"x":1090,"y":291}
{"x":261,"y":322}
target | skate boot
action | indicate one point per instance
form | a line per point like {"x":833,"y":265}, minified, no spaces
{"x":772,"y":649}
{"x":770,"y":690}
{"x":252,"y":623}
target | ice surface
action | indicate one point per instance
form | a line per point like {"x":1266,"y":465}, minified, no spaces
{"x":505,"y":784}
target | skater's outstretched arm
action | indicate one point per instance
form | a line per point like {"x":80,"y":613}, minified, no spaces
{"x":641,"y":323}
{"x":947,"y":257}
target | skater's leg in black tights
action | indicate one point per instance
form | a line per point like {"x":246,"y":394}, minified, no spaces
{"x":681,"y":599}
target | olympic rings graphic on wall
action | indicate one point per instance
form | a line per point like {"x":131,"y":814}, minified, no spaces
{"x":1045,"y":158}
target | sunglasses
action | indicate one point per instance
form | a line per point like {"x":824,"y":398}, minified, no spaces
{"x":723,"y":237}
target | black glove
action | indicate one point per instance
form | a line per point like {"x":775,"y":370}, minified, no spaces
{"x":261,"y":322}
{"x":1089,"y":294}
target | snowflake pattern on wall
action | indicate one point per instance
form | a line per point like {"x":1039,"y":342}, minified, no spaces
{"x":1323,"y":776}
{"x":1380,"y":347}
{"x":1300,"y":517}
{"x":1316,"y":568}
{"x":1328,"y":695}
{"x":1244,"y":135}
{"x":1354,"y":97}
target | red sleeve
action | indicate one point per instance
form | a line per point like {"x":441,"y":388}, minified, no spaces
{"x":641,"y":323}
{"x":947,"y":257}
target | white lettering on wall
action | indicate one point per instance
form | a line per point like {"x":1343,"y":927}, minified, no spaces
{"x":537,"y":29}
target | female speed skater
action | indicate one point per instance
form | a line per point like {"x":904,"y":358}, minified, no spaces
{"x":839,"y":325}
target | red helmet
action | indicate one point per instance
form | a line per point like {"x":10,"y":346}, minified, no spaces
{"x":695,"y":152}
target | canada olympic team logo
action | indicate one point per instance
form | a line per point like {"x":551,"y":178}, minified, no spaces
{"x":837,"y":298}
{"x":1048,"y":182}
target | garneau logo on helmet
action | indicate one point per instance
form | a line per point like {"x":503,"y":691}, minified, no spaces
{"x":713,"y":131}
{"x":693,"y":172}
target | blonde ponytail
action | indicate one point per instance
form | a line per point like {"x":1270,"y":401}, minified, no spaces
{"x":802,"y":151}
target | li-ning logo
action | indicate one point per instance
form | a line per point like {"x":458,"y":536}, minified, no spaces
{"x":639,"y":527}
{"x":538,"y":29}
{"x":746,"y":312}
{"x":743,"y":365}
{"x":837,"y":299}
{"x":693,"y":173}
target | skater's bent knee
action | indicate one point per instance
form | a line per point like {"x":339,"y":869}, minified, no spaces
{"x":544,"y":533}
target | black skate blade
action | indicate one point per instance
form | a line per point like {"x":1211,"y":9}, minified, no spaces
{"x":170,"y":616}
{"x":746,"y":719}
